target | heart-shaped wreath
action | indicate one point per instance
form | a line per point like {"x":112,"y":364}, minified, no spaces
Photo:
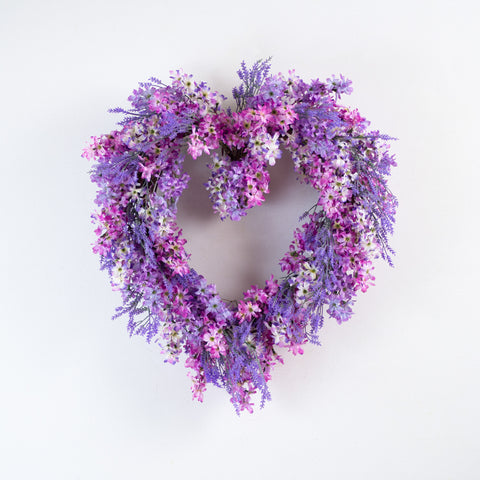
{"x":139,"y":175}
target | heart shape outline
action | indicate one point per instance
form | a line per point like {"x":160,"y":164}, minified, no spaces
{"x":140,"y":178}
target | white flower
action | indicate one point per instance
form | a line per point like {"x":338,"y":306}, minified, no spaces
{"x":309,"y":271}
{"x":272,"y":152}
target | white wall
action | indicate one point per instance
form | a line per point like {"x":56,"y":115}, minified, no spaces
{"x":392,"y":394}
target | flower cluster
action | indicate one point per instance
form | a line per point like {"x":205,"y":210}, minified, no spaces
{"x":139,"y":172}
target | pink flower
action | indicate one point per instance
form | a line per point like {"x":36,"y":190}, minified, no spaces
{"x":263,"y":114}
{"x":246,"y":310}
{"x":215,"y":342}
{"x":271,"y":286}
{"x":255,"y":197}
{"x":195,"y":145}
{"x":296,"y":348}
{"x":147,"y":170}
{"x":198,"y":389}
{"x":156,"y":102}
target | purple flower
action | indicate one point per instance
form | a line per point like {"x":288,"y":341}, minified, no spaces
{"x":339,"y":85}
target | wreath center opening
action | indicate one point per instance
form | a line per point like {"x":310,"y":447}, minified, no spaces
{"x":237,"y":254}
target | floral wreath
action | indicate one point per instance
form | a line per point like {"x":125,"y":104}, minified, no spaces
{"x":138,"y":170}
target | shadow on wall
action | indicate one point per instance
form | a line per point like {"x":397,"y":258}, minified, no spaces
{"x":235,"y":255}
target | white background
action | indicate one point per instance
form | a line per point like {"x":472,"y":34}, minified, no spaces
{"x":392,"y":394}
